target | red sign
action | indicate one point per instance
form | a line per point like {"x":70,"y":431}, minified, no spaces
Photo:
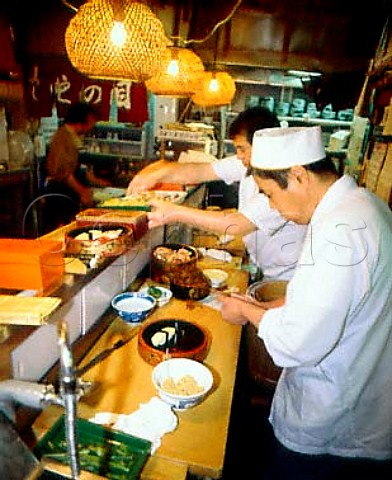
{"x":54,"y":80}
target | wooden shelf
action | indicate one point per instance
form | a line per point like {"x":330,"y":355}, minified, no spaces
{"x":323,"y":122}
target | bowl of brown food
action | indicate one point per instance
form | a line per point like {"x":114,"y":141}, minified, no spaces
{"x":267,"y":290}
{"x":167,"y":260}
{"x":181,"y":382}
{"x":189,"y":284}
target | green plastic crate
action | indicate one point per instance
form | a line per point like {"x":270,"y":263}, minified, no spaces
{"x":103,"y":451}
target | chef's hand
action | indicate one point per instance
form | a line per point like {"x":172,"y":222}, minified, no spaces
{"x":147,"y":178}
{"x":162,"y":213}
{"x":240,"y":312}
{"x":141,"y":183}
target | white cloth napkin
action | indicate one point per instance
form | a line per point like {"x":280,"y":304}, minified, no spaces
{"x":217,"y":254}
{"x":151,"y":421}
{"x":225,"y":239}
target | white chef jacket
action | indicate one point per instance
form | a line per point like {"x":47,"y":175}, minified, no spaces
{"x":334,"y":334}
{"x":276,"y":244}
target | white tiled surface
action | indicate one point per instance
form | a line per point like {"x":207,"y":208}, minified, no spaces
{"x":97,"y":295}
{"x":32,"y":358}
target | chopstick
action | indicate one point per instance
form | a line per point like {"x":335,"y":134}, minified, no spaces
{"x":246,"y":299}
{"x":105,"y":353}
{"x":239,"y":296}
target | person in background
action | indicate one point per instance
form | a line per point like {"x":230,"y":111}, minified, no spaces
{"x":332,"y":407}
{"x":272,"y":243}
{"x":68,"y":187}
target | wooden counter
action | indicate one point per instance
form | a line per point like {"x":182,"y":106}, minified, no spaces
{"x":123,"y":381}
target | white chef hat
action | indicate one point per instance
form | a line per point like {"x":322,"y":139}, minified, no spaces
{"x":281,"y":148}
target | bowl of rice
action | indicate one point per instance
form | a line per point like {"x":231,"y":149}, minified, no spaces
{"x":182,"y":382}
{"x":133,"y":307}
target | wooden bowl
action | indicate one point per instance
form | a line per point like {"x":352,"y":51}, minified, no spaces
{"x":267,"y":290}
{"x":264,"y":373}
{"x":85,"y":241}
{"x":162,"y":270}
{"x":189,"y":341}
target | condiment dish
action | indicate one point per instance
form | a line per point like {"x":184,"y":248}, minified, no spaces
{"x":162,"y":295}
{"x":216,"y":276}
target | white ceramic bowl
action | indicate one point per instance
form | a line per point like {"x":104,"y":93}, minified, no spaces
{"x":216,"y":276}
{"x":178,"y":371}
{"x":165,"y":294}
{"x":133,"y":307}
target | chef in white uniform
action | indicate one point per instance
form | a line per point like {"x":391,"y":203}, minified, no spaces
{"x":275,"y":244}
{"x":272,"y":242}
{"x":332,"y":409}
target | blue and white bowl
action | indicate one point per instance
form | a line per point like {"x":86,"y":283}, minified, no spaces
{"x":133,"y":307}
{"x":192,"y":381}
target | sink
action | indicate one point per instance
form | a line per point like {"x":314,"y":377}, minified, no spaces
{"x":16,"y":460}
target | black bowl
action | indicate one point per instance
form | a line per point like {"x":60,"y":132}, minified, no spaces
{"x":189,"y":292}
{"x":189,"y":341}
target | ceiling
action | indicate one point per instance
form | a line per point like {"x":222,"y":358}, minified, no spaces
{"x":325,"y":35}
{"x":262,"y":38}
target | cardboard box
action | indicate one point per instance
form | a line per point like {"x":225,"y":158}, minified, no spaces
{"x":31,"y":264}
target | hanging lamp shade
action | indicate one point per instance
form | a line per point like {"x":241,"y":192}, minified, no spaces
{"x":179,"y":75}
{"x":215,"y":89}
{"x":132,"y":51}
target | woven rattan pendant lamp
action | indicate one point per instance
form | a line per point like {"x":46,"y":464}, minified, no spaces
{"x":115,"y":39}
{"x":183,"y":74}
{"x":215,"y":89}
{"x":179,"y":75}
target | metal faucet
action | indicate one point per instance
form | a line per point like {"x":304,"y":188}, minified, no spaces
{"x":37,"y":395}
{"x":71,"y":389}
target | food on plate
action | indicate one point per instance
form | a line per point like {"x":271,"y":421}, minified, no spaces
{"x":163,"y":336}
{"x":170,"y":331}
{"x":94,"y":234}
{"x":158,"y":339}
{"x":130,"y":201}
{"x":173,"y":256}
{"x":185,"y":385}
{"x":169,"y":258}
{"x":143,"y":199}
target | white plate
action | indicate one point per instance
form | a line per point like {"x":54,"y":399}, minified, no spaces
{"x":216,"y":276}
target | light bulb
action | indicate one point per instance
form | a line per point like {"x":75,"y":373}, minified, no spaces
{"x":173,"y":68}
{"x":214,"y":85}
{"x":118,"y":34}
